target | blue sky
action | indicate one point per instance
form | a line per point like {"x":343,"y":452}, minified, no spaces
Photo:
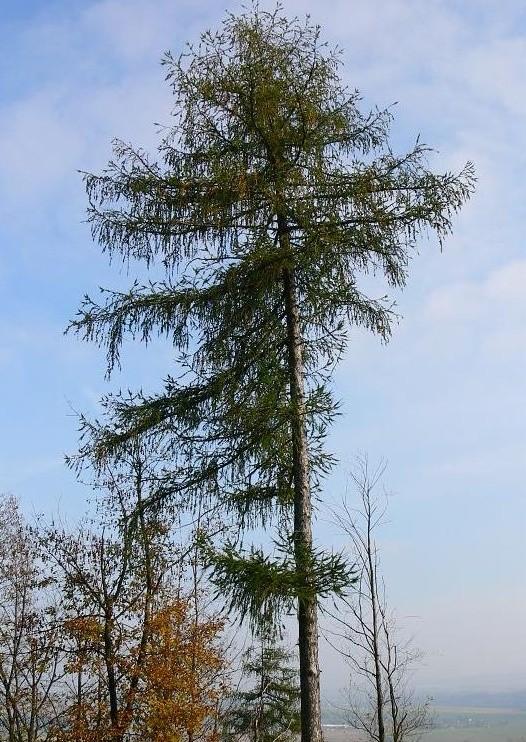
{"x":444,"y":402}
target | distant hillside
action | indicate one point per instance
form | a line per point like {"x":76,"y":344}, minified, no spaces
{"x":332,"y":715}
{"x":503,"y":700}
{"x":511,"y":700}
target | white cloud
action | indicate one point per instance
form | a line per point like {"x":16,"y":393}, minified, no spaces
{"x":138,"y":30}
{"x":130,"y":28}
{"x":499,"y":298}
{"x":99,"y":77}
{"x":495,"y":73}
{"x":39,"y":145}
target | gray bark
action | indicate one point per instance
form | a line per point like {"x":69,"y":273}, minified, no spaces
{"x":375,"y":633}
{"x":307,"y":606}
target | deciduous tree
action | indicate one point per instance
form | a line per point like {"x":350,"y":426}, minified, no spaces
{"x":112,"y":577}
{"x":30,"y":658}
{"x":143,"y":661}
{"x":382,"y":704}
{"x":182,"y":677}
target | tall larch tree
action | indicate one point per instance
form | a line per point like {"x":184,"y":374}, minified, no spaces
{"x":271,"y":193}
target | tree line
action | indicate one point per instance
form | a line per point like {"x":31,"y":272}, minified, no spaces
{"x":109,"y":633}
{"x":271,"y":196}
{"x":103,"y":636}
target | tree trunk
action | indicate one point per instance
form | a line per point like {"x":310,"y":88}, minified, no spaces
{"x":149,"y":592}
{"x":375,"y":636}
{"x":109,"y":659}
{"x":394,"y":712}
{"x":307,"y":606}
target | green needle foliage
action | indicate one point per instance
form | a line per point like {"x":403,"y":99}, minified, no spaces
{"x":271,"y":194}
{"x":263,"y":586}
{"x":268,"y":708}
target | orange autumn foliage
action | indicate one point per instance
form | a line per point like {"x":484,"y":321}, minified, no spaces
{"x":81,"y":727}
{"x":182,"y":676}
{"x":180,"y":681}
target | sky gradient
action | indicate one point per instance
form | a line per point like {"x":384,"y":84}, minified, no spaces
{"x":444,"y":403}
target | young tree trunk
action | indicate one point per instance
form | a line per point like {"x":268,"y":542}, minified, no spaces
{"x":394,"y":712}
{"x":109,"y":660}
{"x":307,"y":606}
{"x":149,"y":590}
{"x":371,"y":566}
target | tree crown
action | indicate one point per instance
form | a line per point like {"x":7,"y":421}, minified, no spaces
{"x":269,"y":170}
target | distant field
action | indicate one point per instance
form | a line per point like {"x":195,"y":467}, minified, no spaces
{"x":478,"y":725}
{"x":462,"y":724}
{"x":511,"y":732}
{"x":478,"y":711}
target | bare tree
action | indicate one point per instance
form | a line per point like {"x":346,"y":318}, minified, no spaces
{"x":30,"y":659}
{"x":381,"y":703}
{"x":111,"y":571}
{"x":144,"y":654}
